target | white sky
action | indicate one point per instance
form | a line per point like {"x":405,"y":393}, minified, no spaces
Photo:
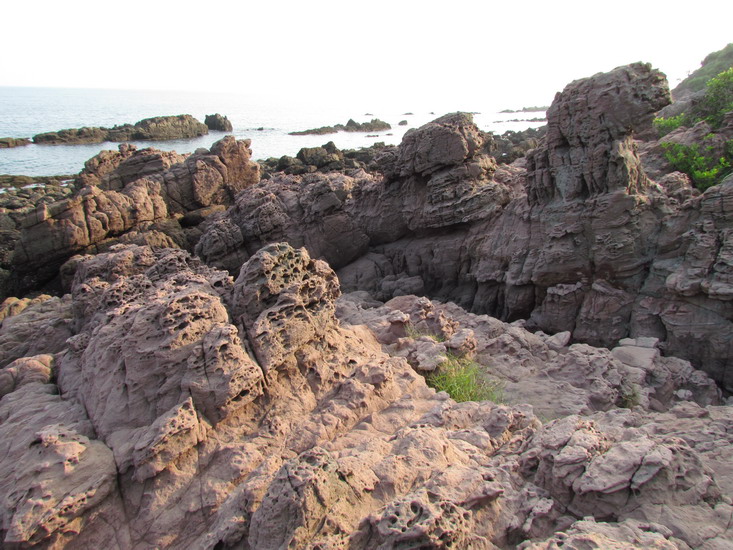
{"x":456,"y":51}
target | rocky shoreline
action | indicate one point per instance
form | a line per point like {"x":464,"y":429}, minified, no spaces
{"x":159,"y":128}
{"x":237,"y":354}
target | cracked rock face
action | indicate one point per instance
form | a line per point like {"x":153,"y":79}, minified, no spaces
{"x":189,"y":409}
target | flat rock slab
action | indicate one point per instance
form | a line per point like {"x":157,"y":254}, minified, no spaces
{"x":636,"y":356}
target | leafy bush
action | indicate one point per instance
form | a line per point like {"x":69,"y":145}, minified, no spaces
{"x":718,"y":99}
{"x":705,"y":171}
{"x":666,"y":125}
{"x":461,"y":378}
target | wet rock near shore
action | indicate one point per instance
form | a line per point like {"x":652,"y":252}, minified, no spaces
{"x":325,"y":158}
{"x":133,"y":196}
{"x":375,"y":125}
{"x":157,"y":128}
{"x":218,"y":123}
{"x":8,"y":142}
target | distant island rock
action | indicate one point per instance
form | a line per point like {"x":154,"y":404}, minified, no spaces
{"x":218,"y":123}
{"x":527,"y":109}
{"x":160,"y":128}
{"x":535,"y":119}
{"x":8,"y":142}
{"x":375,"y":125}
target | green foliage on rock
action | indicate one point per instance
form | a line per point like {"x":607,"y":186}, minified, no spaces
{"x":718,"y":100}
{"x":630,"y":396}
{"x":704,"y":170}
{"x":703,"y":162}
{"x":666,"y":125}
{"x":462,"y":379}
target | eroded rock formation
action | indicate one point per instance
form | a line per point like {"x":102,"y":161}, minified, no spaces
{"x":581,"y":240}
{"x":189,"y":409}
{"x":218,"y":123}
{"x":233,"y":399}
{"x":136,"y":196}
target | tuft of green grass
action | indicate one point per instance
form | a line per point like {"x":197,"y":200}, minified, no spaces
{"x":461,"y":378}
{"x":630,"y":396}
{"x":415,"y":333}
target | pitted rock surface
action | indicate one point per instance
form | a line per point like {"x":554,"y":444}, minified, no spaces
{"x":191,"y":410}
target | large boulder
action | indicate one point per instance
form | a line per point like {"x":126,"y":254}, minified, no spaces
{"x":218,"y":123}
{"x":589,"y":147}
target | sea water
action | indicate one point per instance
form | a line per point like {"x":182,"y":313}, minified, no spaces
{"x":25,"y":112}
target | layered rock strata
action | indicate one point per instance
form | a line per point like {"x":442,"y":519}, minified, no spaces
{"x":579,"y":239}
{"x":189,"y":409}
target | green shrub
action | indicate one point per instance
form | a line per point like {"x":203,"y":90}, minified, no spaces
{"x":704,"y":170}
{"x":462,"y":379}
{"x":718,"y":99}
{"x":666,"y":125}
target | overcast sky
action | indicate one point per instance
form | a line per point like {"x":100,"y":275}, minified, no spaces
{"x":457,"y":51}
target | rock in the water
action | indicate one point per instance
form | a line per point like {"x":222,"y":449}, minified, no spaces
{"x":218,"y":123}
{"x":149,"y":129}
{"x":375,"y":125}
{"x":8,"y":142}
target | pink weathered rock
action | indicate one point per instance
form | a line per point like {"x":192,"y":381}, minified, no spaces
{"x":40,"y":328}
{"x":144,"y":188}
{"x":25,"y":370}
{"x":195,"y":411}
{"x":532,"y":368}
{"x":115,"y":169}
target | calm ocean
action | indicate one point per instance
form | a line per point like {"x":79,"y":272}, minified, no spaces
{"x":25,"y":112}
